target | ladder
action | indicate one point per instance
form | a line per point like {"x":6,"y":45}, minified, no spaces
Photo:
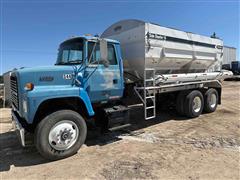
{"x":149,"y":94}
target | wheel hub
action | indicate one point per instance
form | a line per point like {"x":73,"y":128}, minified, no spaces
{"x":63,"y":135}
{"x":197,"y":104}
{"x":66,"y":135}
{"x":213,"y":100}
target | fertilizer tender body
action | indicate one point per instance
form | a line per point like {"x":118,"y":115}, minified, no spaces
{"x":167,"y":50}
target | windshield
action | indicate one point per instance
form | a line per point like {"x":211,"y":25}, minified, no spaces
{"x":71,"y":52}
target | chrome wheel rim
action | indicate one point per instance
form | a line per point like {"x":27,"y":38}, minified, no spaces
{"x":213,"y":100}
{"x":197,"y":104}
{"x":63,"y":135}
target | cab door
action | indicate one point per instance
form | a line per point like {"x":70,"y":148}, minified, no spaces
{"x":104,"y":82}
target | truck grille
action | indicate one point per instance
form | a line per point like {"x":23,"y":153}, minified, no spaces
{"x":14,"y":91}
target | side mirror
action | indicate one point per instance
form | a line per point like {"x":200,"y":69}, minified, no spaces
{"x":104,"y":52}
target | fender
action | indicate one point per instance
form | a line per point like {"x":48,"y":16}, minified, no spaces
{"x":42,"y":93}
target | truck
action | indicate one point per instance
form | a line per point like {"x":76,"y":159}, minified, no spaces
{"x":93,"y":76}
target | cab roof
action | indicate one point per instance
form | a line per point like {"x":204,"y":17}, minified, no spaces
{"x":90,"y":38}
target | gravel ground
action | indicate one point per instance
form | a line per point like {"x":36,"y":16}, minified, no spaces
{"x":168,"y":147}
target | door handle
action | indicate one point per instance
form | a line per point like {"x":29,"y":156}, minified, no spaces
{"x":115,"y":81}
{"x":86,"y":73}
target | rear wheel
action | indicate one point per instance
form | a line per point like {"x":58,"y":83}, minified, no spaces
{"x":60,"y":134}
{"x":210,"y":100}
{"x":193,"y":104}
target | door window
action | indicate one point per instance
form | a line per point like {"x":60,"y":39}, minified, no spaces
{"x":94,"y":53}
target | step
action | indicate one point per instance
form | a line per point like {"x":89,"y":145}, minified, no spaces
{"x":150,"y":107}
{"x":151,"y":117}
{"x":150,"y":97}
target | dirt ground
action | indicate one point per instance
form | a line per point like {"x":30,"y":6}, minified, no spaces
{"x":169,"y":147}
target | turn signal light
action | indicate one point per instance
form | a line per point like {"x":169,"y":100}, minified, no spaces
{"x":29,"y":86}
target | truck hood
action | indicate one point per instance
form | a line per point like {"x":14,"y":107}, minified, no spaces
{"x":43,"y":76}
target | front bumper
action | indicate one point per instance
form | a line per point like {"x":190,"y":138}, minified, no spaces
{"x":19,"y":129}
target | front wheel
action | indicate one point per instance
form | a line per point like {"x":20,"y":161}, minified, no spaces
{"x":60,"y":134}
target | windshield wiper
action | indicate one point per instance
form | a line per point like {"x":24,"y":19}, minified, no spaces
{"x":77,"y":61}
{"x":69,"y":62}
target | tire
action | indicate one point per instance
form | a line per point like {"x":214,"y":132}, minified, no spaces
{"x":210,"y":100}
{"x":194,"y":103}
{"x":180,"y":102}
{"x":64,"y":126}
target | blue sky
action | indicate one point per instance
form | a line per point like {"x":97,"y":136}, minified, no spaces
{"x":32,"y":30}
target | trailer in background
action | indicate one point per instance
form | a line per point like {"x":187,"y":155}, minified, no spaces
{"x":235,"y":67}
{"x":229,"y":55}
{"x":230,"y":62}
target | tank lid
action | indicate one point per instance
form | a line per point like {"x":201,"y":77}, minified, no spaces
{"x":121,"y":26}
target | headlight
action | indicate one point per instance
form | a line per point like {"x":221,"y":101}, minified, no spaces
{"x":29,"y":86}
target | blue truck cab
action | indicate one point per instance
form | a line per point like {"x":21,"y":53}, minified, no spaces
{"x":54,"y":102}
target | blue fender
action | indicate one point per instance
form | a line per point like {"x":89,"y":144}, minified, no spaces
{"x":85,"y":98}
{"x":39,"y":95}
